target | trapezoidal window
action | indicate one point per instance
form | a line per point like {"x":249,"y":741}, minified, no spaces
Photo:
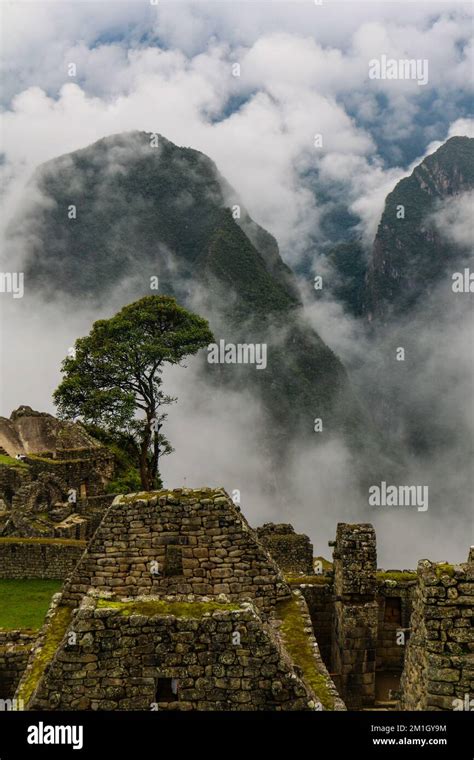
{"x":166,"y":690}
{"x":393,"y":610}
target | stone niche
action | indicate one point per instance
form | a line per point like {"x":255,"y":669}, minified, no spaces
{"x":293,"y":552}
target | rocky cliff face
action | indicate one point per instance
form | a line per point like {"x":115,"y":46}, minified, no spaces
{"x":31,"y":432}
{"x":410,"y":255}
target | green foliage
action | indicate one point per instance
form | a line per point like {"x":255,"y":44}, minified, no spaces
{"x":349,"y":264}
{"x":127,"y":458}
{"x":411,"y":254}
{"x":128,"y":482}
{"x":116,"y":372}
{"x":24,"y":603}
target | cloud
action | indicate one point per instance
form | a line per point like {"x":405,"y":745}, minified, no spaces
{"x":454,"y":221}
{"x":303,"y":71}
{"x":145,"y":67}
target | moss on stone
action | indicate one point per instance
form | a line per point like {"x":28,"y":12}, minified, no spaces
{"x":162,"y":607}
{"x":48,"y":541}
{"x":395,"y":575}
{"x":14,"y":648}
{"x":444,"y":569}
{"x":187,"y":493}
{"x":37,"y":458}
{"x":55,"y":631}
{"x":325,"y":563}
{"x":300,"y":649}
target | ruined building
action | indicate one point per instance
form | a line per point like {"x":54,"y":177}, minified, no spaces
{"x":175,"y":604}
{"x":171,"y":601}
{"x":53,"y":477}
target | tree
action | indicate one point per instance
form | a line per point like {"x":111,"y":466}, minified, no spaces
{"x":114,"y":376}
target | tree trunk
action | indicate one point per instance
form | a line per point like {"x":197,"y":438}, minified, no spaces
{"x":144,"y":469}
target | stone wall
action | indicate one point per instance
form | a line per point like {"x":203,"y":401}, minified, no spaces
{"x":15,"y":648}
{"x":439,"y":661}
{"x":39,"y":558}
{"x":355,"y":614}
{"x":179,"y":542}
{"x":93,"y":509}
{"x":293,"y":552}
{"x":11,"y":479}
{"x":169,"y":655}
{"x":87,"y":470}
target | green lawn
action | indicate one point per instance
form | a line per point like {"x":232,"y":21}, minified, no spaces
{"x":24,"y":603}
{"x":11,"y":461}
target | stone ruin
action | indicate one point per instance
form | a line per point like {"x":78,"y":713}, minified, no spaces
{"x":439,"y":662}
{"x":50,"y":491}
{"x":293,"y":552}
{"x":178,"y":604}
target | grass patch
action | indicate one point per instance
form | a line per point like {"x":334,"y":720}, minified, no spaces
{"x":55,"y":632}
{"x":161,"y":607}
{"x":49,"y":541}
{"x":299,"y":647}
{"x":396,"y":575}
{"x":12,"y":462}
{"x":24,"y":603}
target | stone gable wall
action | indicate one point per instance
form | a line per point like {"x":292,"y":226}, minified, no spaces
{"x":118,"y":659}
{"x":293,"y":552}
{"x":200,"y":534}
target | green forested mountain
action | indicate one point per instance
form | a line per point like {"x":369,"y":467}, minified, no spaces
{"x":119,"y":212}
{"x":410,"y":254}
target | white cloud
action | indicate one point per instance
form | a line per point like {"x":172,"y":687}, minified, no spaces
{"x":304,"y":70}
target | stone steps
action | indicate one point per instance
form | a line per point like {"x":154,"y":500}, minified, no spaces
{"x":382,"y":706}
